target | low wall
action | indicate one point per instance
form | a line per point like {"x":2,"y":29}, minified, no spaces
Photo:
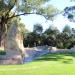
{"x":7,"y":60}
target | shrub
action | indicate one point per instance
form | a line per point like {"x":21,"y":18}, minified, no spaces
{"x":2,"y":53}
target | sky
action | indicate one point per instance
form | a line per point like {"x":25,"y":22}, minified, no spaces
{"x":59,"y":20}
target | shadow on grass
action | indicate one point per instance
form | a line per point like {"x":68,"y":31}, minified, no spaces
{"x":44,"y":55}
{"x":66,"y":58}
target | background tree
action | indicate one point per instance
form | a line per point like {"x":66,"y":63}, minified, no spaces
{"x":52,"y":37}
{"x":34,"y":38}
{"x":67,"y":30}
{"x":65,"y":38}
{"x":69,"y":13}
{"x":51,"y":34}
{"x":37,"y":29}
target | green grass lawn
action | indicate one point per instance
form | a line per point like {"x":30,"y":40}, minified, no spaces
{"x":50,"y":64}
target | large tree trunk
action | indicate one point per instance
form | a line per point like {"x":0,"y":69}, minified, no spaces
{"x":0,"y":38}
{"x":13,"y":44}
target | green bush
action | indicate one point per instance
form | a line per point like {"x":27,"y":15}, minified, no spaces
{"x":2,"y":53}
{"x":60,"y":45}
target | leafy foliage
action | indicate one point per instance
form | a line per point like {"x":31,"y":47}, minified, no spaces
{"x":38,"y":29}
{"x":52,"y":37}
{"x":2,"y":53}
{"x":67,"y":30}
{"x":69,"y":12}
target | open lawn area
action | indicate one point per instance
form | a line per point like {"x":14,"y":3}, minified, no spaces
{"x":50,"y":64}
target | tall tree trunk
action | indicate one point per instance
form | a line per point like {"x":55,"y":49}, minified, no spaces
{"x":2,"y":28}
{"x":13,"y":44}
{"x":0,"y":38}
{"x":12,"y":40}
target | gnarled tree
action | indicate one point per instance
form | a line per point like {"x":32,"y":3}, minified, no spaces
{"x":14,"y":8}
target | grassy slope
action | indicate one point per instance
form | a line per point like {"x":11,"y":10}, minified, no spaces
{"x":51,"y":64}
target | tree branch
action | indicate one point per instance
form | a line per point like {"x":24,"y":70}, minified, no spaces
{"x":44,"y":15}
{"x":19,"y":15}
{"x":10,"y":7}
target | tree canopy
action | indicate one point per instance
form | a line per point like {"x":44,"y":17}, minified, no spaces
{"x":69,"y":12}
{"x":14,"y":8}
{"x":38,"y":29}
{"x":67,"y":30}
{"x":26,"y":6}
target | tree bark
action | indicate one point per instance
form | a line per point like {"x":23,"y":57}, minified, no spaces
{"x":13,"y":44}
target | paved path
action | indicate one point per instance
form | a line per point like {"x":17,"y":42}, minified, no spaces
{"x":33,"y":54}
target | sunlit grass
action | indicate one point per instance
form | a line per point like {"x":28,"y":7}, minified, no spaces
{"x":50,"y":64}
